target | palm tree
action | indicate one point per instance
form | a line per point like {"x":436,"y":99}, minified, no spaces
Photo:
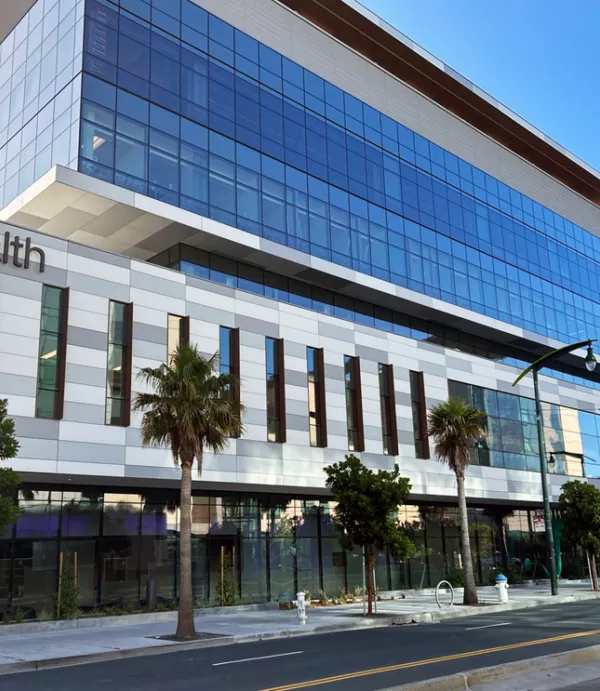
{"x":190,"y":409}
{"x":455,"y":427}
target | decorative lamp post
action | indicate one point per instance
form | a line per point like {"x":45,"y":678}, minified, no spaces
{"x":590,"y":363}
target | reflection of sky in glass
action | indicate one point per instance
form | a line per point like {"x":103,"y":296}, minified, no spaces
{"x":234,"y":131}
{"x":569,"y":434}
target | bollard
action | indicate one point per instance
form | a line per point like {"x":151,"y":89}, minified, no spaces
{"x":502,"y":588}
{"x":300,"y":603}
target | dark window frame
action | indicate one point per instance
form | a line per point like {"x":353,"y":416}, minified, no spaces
{"x":184,"y":332}
{"x":356,"y":436}
{"x":233,"y":366}
{"x":320,"y":413}
{"x":61,"y":355}
{"x":278,"y":376}
{"x":126,"y":345}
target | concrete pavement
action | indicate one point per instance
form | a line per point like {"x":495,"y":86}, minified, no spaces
{"x":31,"y":651}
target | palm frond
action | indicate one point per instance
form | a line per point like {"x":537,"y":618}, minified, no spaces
{"x":455,"y":427}
{"x":190,"y":408}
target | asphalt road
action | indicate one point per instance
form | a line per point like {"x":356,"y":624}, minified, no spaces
{"x":406,"y":654}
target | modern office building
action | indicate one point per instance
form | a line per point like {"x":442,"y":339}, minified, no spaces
{"x":356,"y":227}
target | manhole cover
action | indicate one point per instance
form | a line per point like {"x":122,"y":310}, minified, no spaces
{"x":200,"y":636}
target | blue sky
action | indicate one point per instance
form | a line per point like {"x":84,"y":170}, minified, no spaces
{"x":539,"y":57}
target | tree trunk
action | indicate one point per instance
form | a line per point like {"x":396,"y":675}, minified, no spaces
{"x":185,"y":618}
{"x":369,"y":580}
{"x":594,"y":574}
{"x":470,"y":596}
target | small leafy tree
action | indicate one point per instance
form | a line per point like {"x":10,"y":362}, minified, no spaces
{"x":9,"y":480}
{"x":226,"y":588}
{"x":68,"y":604}
{"x":579,"y":506}
{"x":189,"y":409}
{"x":367,"y":511}
{"x":455,"y":427}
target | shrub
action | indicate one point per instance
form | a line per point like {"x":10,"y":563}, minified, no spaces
{"x":323,"y":598}
{"x":45,"y":615}
{"x":457,"y":578}
{"x":69,"y":594}
{"x":112,"y":611}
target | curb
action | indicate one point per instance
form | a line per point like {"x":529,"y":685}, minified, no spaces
{"x":453,"y":683}
{"x":459,"y":612}
{"x":111,"y":655}
{"x":465,"y":681}
{"x":127,"y":619}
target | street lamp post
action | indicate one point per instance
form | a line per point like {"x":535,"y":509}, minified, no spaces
{"x":590,"y":363}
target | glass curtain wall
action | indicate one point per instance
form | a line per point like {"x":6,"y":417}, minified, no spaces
{"x":40,"y":94}
{"x":572,"y":437}
{"x":268,"y":546}
{"x":183,"y":107}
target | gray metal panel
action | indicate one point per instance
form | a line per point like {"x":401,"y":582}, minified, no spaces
{"x":377,"y":356}
{"x":83,"y":452}
{"x":210,"y":314}
{"x":257,"y":326}
{"x":84,"y":412}
{"x":336,"y":332}
{"x":87,"y":338}
{"x":98,"y":286}
{"x":151,"y":333}
{"x":17,"y":385}
{"x":82,"y":374}
{"x":153,"y":284}
{"x":35,"y":427}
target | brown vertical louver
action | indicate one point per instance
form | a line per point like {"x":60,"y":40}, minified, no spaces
{"x":127,"y":363}
{"x":392,"y":410}
{"x":61,"y":365}
{"x":419,"y":411}
{"x":321,"y":394}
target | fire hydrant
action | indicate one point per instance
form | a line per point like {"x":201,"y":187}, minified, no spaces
{"x":300,"y":603}
{"x":502,"y":588}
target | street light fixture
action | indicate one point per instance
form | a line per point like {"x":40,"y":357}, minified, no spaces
{"x":590,"y":359}
{"x":590,"y":363}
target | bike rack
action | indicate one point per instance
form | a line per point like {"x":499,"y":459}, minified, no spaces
{"x":437,"y":593}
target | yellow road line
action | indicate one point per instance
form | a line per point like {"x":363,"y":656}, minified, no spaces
{"x":428,"y":661}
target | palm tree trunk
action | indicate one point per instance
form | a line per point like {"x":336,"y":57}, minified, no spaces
{"x":185,"y":619}
{"x":593,"y":570}
{"x":470,"y":596}
{"x":369,"y":580}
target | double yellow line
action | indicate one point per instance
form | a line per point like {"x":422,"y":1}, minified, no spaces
{"x":428,"y":661}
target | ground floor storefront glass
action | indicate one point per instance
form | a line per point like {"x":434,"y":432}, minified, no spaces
{"x":268,"y":546}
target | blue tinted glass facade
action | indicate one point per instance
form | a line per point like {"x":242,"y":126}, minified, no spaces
{"x":185,"y":108}
{"x":40,"y":91}
{"x":571,"y":437}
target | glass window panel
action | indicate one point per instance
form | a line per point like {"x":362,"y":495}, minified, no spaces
{"x":49,"y":353}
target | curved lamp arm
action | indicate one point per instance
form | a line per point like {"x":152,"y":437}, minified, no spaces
{"x":551,"y":355}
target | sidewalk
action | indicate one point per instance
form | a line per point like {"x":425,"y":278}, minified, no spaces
{"x":31,"y":651}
